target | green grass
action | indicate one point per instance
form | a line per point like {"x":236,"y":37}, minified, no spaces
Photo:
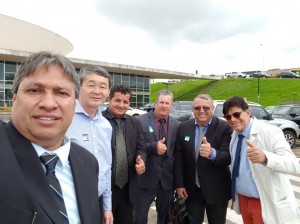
{"x":272,"y":91}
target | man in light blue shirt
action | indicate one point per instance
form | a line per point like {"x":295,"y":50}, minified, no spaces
{"x":92,"y":131}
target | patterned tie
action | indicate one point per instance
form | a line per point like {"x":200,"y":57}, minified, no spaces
{"x":236,"y":165}
{"x":50,"y":162}
{"x":162,"y":128}
{"x":197,"y":150}
{"x":121,"y":157}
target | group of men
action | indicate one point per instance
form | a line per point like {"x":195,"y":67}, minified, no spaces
{"x":65,"y":161}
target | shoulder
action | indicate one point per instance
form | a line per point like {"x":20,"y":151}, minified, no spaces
{"x":80,"y":151}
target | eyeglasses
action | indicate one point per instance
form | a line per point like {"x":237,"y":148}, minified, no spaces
{"x":205,"y":108}
{"x":236,"y":115}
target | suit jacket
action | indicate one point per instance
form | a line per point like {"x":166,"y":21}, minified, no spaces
{"x":135,"y":145}
{"x":278,"y":202}
{"x":214,"y":176}
{"x":158,"y":168}
{"x":25,"y":195}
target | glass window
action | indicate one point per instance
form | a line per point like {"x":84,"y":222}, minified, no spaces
{"x":8,"y":94}
{"x":146,"y":84}
{"x":1,"y":103}
{"x":125,"y":80}
{"x":9,"y":76}
{"x":10,"y":66}
{"x":133,"y":83}
{"x":117,"y":79}
{"x":140,"y":83}
{"x":1,"y":71}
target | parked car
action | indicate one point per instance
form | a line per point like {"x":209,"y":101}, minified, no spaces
{"x":288,"y":111}
{"x":235,"y":75}
{"x":290,"y":129}
{"x":259,"y":74}
{"x":131,"y":111}
{"x":288,"y":75}
{"x":147,"y":107}
{"x":182,"y":110}
{"x":270,"y":109}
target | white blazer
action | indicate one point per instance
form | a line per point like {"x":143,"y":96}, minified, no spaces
{"x":278,"y":202}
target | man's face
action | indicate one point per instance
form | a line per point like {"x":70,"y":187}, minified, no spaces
{"x":118,"y":104}
{"x":44,"y":106}
{"x":238,"y":118}
{"x":163,"y":106}
{"x":93,"y":92}
{"x":203,"y":110}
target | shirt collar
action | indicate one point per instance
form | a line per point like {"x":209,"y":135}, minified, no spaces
{"x":208,"y":123}
{"x":62,"y":152}
{"x":246,"y":131}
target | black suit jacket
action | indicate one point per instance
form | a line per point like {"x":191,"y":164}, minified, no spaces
{"x":158,"y":168}
{"x":135,"y":145}
{"x":25,"y":195}
{"x":214,"y":176}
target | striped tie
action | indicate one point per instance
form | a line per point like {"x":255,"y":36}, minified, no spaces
{"x":50,"y":162}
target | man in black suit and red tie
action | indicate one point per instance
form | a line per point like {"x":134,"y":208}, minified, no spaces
{"x":201,"y":163}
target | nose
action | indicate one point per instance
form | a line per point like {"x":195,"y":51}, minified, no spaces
{"x":48,"y":101}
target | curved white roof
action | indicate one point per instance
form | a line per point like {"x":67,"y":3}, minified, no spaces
{"x":23,"y":36}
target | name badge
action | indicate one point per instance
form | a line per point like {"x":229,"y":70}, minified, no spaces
{"x":150,"y":129}
{"x":85,"y":137}
{"x":187,"y":138}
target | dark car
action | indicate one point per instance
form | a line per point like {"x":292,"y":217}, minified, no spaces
{"x":288,"y":112}
{"x":259,"y":75}
{"x":182,"y":110}
{"x":288,"y":75}
{"x":147,"y":107}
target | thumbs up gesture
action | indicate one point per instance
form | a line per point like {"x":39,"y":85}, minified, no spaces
{"x":205,"y":148}
{"x":255,"y":154}
{"x":161,"y":146}
{"x":140,"y":165}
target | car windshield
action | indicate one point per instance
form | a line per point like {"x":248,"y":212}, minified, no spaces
{"x":281,"y":110}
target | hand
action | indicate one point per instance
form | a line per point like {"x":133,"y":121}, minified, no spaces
{"x":181,"y":192}
{"x":140,"y":165}
{"x":161,"y":147}
{"x":108,"y":217}
{"x":255,"y":154}
{"x":205,"y":148}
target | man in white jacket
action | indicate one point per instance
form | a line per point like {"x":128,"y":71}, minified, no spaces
{"x":261,"y":158}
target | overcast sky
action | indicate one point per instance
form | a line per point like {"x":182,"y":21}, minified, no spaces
{"x":211,"y":36}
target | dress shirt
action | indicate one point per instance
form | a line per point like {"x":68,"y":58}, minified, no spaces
{"x":63,"y":173}
{"x":94,"y":134}
{"x":245,"y":184}
{"x":197,"y":134}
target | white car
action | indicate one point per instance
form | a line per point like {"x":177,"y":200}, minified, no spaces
{"x":131,"y":111}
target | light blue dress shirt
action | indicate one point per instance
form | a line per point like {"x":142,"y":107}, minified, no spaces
{"x":94,"y":134}
{"x":245,"y":184}
{"x":197,"y":134}
{"x":63,"y":173}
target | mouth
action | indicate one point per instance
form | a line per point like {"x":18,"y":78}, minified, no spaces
{"x":42,"y":118}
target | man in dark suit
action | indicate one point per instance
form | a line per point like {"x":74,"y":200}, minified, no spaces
{"x":129,"y":154}
{"x":44,"y":92}
{"x":201,"y":163}
{"x":159,"y":130}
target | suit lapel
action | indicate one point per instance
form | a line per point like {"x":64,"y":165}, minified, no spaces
{"x":152,"y":125}
{"x":33,"y":173}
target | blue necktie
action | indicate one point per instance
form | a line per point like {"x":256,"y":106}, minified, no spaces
{"x":236,"y":165}
{"x":50,"y":162}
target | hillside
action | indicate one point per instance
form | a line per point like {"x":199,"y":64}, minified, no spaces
{"x":272,"y":91}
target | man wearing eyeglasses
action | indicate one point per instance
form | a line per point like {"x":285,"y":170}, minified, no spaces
{"x":261,"y":158}
{"x":201,"y":163}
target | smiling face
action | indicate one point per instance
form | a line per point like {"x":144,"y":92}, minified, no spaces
{"x":163,"y":106}
{"x":203,"y":110}
{"x":43,"y":106}
{"x":241,"y":119}
{"x":93,"y":92}
{"x":119,"y":104}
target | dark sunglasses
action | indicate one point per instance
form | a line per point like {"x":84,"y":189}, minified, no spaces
{"x":235,"y":115}
{"x":204,"y":108}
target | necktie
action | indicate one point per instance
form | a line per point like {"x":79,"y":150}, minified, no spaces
{"x":197,"y":150}
{"x":121,"y":157}
{"x":236,"y":165}
{"x":162,"y":129}
{"x":50,"y":162}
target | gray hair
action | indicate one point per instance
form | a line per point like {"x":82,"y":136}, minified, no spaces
{"x":164,"y":92}
{"x":205,"y":97}
{"x":94,"y":69}
{"x":44,"y":59}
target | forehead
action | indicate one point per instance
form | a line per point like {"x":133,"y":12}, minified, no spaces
{"x":201,"y":101}
{"x":93,"y":77}
{"x":121,"y":96}
{"x":164,"y":98}
{"x":234,"y":109}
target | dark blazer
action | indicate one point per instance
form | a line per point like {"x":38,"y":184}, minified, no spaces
{"x":135,"y":145}
{"x":158,"y":168}
{"x":214,"y":176}
{"x":25,"y":195}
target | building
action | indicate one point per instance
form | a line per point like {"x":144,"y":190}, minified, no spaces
{"x":25,"y":38}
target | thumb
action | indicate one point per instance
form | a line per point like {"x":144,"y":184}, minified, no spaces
{"x":250,"y":144}
{"x":163,"y":140}
{"x":138,"y":159}
{"x":204,"y":140}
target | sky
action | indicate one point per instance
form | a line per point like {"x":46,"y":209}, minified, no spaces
{"x":210,"y":36}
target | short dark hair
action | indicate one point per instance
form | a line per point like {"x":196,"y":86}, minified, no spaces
{"x":94,"y":69}
{"x":123,"y":89}
{"x":235,"y":101}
